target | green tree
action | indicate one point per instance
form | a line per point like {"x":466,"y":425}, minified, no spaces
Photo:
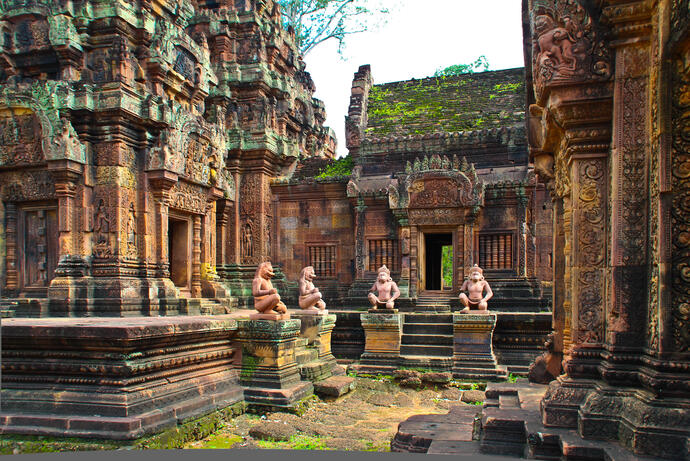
{"x":481,"y":63}
{"x":316,"y":21}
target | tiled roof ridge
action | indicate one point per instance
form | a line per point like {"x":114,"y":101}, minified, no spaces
{"x":453,"y":77}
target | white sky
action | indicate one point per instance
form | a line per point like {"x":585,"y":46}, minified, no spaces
{"x":419,"y":37}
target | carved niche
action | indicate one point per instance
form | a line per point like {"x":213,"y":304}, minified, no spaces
{"x":20,"y":138}
{"x":44,"y":100}
{"x":566,"y":44}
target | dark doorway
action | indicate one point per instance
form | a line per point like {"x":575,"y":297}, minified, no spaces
{"x":179,"y":253}
{"x":434,"y":249}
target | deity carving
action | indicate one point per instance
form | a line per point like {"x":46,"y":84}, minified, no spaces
{"x":68,"y":144}
{"x":386,"y":289}
{"x":266,"y":298}
{"x":310,"y":297}
{"x":131,"y":232}
{"x":247,"y":240}
{"x":556,"y":44}
{"x":101,"y":227}
{"x":475,"y":286}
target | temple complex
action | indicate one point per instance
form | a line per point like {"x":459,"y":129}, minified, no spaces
{"x":155,"y":153}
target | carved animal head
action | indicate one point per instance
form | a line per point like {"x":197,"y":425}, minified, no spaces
{"x":543,"y":24}
{"x":476,"y":273}
{"x":384,"y":274}
{"x":264,"y":271}
{"x":307,"y":274}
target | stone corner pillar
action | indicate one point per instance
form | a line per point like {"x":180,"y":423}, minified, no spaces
{"x":473,"y":355}
{"x":383,"y":335}
{"x":269,"y":371}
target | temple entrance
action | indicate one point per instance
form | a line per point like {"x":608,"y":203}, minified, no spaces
{"x":438,"y":264}
{"x":38,"y":241}
{"x":180,"y":253}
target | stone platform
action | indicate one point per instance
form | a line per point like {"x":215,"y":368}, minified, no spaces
{"x":115,"y":378}
{"x":509,"y":424}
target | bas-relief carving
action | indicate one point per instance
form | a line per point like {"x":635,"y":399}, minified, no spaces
{"x":59,"y":140}
{"x":101,"y":230}
{"x":28,"y":185}
{"x":20,"y":140}
{"x":429,"y":216}
{"x":566,"y":44}
{"x":188,"y":197}
{"x":680,"y":213}
{"x":591,"y":234}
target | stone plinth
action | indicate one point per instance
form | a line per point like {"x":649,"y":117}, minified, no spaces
{"x":383,"y":333}
{"x":473,"y":356}
{"x":114,"y":378}
{"x":317,"y":329}
{"x":269,"y":370}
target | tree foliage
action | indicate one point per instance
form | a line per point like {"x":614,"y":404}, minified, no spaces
{"x":316,"y":21}
{"x":481,"y":63}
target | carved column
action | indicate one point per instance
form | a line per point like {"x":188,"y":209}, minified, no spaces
{"x":521,"y":269}
{"x":162,"y":182}
{"x":359,"y":238}
{"x":589,"y":173}
{"x":627,"y":314}
{"x":404,"y":235}
{"x":67,"y":175}
{"x":12,"y":277}
{"x":223,"y":208}
{"x":196,"y":257}
{"x":414,"y":261}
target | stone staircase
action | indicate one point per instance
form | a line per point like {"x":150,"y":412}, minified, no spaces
{"x":427,"y":341}
{"x":434,"y":302}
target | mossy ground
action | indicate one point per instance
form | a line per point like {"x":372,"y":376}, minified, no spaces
{"x":363,"y":420}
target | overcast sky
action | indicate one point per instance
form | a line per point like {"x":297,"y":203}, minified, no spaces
{"x":419,"y":37}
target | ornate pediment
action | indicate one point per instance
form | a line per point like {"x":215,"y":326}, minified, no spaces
{"x":437,"y":182}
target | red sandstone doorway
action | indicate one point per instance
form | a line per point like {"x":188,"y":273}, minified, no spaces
{"x":437,"y":250}
{"x":180,"y":253}
{"x":38,"y":242}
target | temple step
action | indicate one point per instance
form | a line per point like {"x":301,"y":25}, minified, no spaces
{"x":429,"y":350}
{"x":435,"y":339}
{"x":428,"y":328}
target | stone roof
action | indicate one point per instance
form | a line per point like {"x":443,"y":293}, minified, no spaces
{"x":465,"y":102}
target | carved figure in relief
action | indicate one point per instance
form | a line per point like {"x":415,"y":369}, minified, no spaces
{"x":247,"y":241}
{"x":556,"y":44}
{"x":309,"y":296}
{"x":386,"y":288}
{"x":475,"y":286}
{"x":266,"y":298}
{"x":131,"y":231}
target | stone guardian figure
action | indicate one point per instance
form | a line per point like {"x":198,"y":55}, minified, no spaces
{"x":475,"y":286}
{"x":386,"y":288}
{"x":309,"y":295}
{"x":266,"y":298}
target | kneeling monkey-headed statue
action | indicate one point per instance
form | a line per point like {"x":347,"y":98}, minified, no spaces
{"x":386,"y":288}
{"x":475,"y":286}
{"x":266,"y":298}
{"x":309,"y":296}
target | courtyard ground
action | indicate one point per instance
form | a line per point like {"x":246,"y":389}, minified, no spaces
{"x":363,"y":420}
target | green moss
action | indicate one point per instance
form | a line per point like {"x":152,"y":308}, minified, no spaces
{"x":340,"y":167}
{"x":221,"y":441}
{"x":296,"y":442}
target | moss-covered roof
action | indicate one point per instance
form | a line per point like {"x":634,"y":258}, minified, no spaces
{"x":447,"y":104}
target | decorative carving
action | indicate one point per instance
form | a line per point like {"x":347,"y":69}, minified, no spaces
{"x":566,"y":44}
{"x":20,"y":140}
{"x":428,"y":216}
{"x":188,"y":197}
{"x":680,"y":213}
{"x":247,"y":241}
{"x":131,"y":232}
{"x":591,"y":249}
{"x":27,"y":186}
{"x":101,"y":228}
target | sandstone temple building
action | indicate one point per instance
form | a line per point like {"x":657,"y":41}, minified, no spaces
{"x":154,"y":152}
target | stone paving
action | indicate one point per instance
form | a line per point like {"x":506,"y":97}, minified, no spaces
{"x":364,"y":420}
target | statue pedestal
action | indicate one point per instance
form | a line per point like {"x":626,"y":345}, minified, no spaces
{"x":269,"y":370}
{"x":473,"y":356}
{"x":315,"y":336}
{"x":383,"y":333}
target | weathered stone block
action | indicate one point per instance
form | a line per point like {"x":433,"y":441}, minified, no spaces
{"x":473,"y":356}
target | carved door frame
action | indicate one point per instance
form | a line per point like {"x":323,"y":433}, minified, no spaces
{"x":51,"y":245}
{"x":188,"y":218}
{"x":422,"y":231}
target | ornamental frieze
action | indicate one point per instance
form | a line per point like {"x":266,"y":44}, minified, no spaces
{"x":188,"y":197}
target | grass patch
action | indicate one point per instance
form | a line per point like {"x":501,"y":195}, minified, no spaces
{"x":296,"y":442}
{"x":221,"y":441}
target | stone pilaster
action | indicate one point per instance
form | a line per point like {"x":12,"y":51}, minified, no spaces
{"x":473,"y":355}
{"x":269,"y":370}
